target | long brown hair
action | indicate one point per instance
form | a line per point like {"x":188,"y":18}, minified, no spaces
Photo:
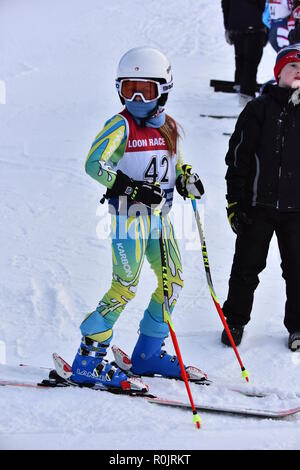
{"x":170,"y":133}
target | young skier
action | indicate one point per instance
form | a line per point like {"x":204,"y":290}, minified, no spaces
{"x":263,"y":194}
{"x":136,"y":150}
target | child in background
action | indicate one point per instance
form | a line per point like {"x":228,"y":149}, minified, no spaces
{"x":263,"y":194}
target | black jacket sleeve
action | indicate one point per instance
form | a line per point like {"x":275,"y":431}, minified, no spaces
{"x":240,"y":157}
{"x":225,"y":8}
{"x":240,"y":15}
{"x":261,"y":3}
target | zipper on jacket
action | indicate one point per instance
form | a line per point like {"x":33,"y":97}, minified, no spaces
{"x":279,"y":145}
{"x":279,"y":176}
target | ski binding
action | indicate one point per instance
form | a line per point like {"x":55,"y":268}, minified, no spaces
{"x":123,"y":361}
{"x":63,"y":372}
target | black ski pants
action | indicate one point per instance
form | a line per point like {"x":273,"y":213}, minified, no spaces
{"x":248,"y":48}
{"x":250,"y":257}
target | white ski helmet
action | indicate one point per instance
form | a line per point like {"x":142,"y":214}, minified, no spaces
{"x":146,"y":62}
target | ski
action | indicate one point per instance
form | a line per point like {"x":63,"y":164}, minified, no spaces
{"x":19,"y":383}
{"x":123,"y":361}
{"x":219,"y":116}
{"x":34,"y":367}
{"x":204,"y":381}
{"x":227,"y":86}
{"x":61,"y":377}
{"x":229,"y":409}
{"x":63,"y":373}
{"x":54,"y":382}
{"x":214,"y":383}
{"x":249,"y":392}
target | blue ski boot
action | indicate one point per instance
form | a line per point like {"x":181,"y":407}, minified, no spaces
{"x":149,"y":359}
{"x":90,"y":368}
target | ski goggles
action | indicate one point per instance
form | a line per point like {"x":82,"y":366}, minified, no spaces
{"x":148,"y":90}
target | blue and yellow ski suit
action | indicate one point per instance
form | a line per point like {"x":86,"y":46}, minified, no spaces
{"x":142,"y":154}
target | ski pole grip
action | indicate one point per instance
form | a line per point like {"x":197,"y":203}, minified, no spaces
{"x":158,"y":209}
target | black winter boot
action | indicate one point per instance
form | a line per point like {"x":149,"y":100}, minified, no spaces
{"x":236,"y":333}
{"x":294,"y":341}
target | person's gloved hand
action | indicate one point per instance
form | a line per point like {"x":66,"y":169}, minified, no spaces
{"x":228,"y":37}
{"x":188,"y":184}
{"x":237,"y":217}
{"x":150,"y":195}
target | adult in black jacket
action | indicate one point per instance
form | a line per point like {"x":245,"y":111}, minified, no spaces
{"x":263,"y":193}
{"x":245,"y":29}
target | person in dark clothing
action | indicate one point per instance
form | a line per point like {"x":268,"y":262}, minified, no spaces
{"x":294,"y":34}
{"x":244,"y":28}
{"x":263,"y":194}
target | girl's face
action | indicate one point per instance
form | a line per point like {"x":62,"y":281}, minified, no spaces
{"x":290,"y":75}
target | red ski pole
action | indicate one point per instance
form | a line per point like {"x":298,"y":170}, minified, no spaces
{"x":167,"y":318}
{"x":245,"y":373}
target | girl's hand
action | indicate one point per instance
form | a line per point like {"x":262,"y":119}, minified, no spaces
{"x":188,"y":184}
{"x":151,"y":195}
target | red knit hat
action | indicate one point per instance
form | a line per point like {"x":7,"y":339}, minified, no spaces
{"x":285,"y":56}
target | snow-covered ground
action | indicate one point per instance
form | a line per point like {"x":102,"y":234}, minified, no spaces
{"x":58,"y":64}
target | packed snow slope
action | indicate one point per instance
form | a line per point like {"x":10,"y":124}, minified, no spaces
{"x":59,"y":61}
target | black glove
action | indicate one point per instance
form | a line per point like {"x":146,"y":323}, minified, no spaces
{"x":189,"y":184}
{"x":138,"y":191}
{"x":237,"y":217}
{"x":229,"y":37}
